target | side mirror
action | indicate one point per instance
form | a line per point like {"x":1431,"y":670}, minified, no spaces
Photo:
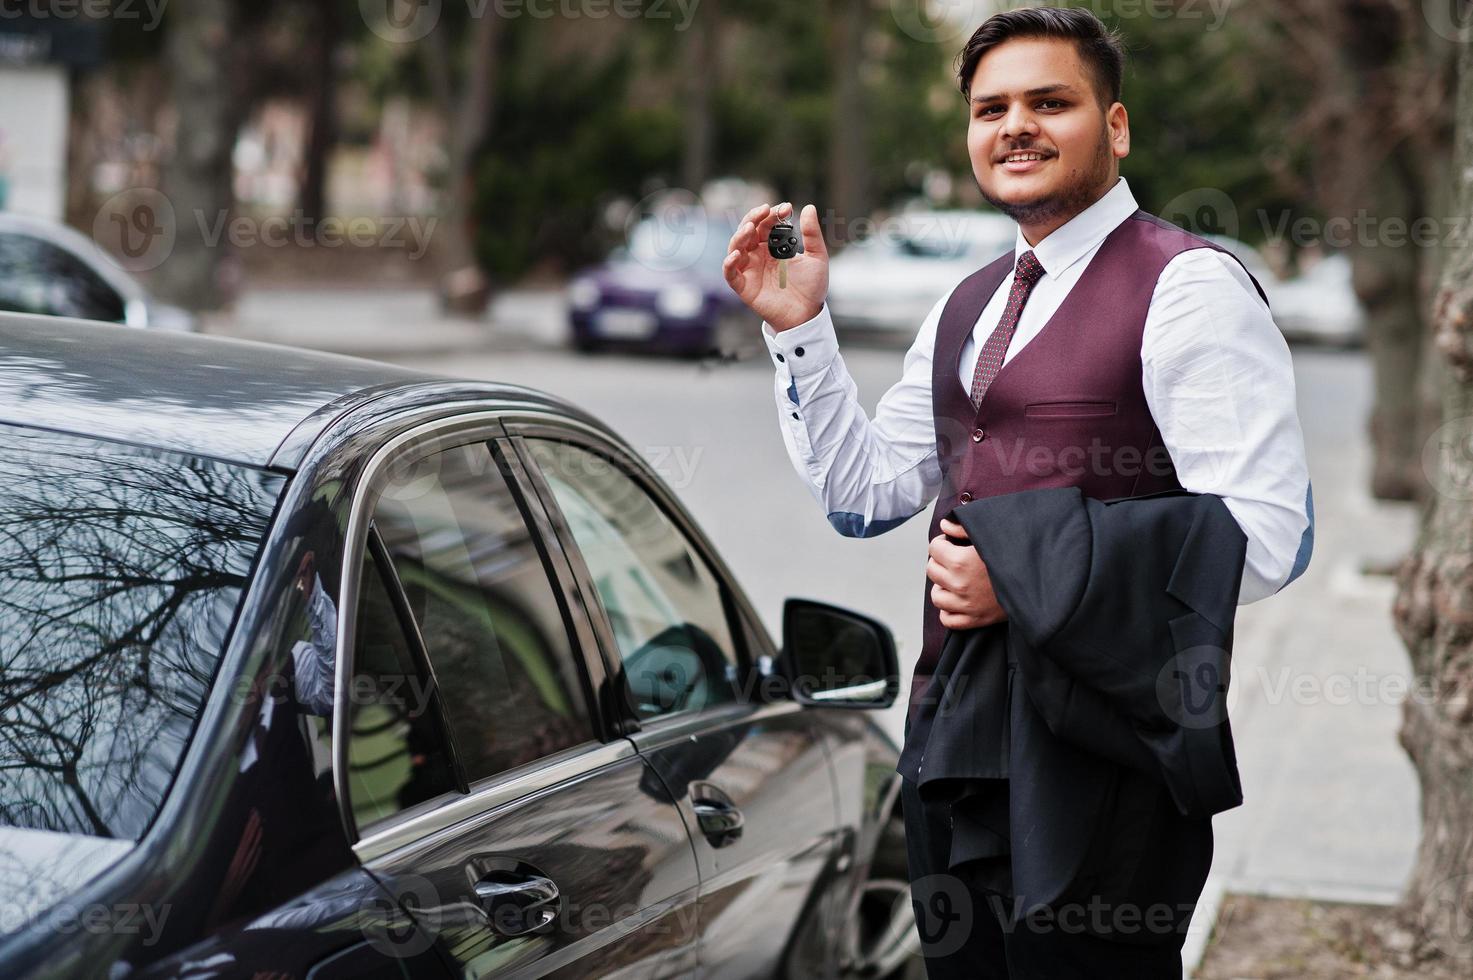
{"x":834,"y":658}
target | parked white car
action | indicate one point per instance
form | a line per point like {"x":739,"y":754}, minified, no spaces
{"x":1320,"y":305}
{"x":54,"y":270}
{"x":886,"y":284}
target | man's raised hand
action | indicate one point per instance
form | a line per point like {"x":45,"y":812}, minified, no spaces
{"x":752,"y":272}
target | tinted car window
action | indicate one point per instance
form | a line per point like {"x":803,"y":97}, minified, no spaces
{"x":487,"y":610}
{"x":397,"y":757}
{"x":120,"y":571}
{"x":665,"y":606}
{"x":39,"y":277}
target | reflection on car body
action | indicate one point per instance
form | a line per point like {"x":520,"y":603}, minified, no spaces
{"x":335,"y":669}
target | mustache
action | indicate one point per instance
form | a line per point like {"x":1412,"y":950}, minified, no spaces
{"x":1023,"y":149}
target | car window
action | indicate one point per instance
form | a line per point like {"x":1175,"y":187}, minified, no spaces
{"x":397,"y":755}
{"x":39,"y":277}
{"x":488,"y":611}
{"x":664,"y":604}
{"x":120,"y":572}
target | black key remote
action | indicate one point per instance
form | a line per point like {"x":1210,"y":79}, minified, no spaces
{"x":783,"y":241}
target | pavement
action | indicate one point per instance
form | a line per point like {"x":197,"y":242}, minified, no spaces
{"x":1331,"y":805}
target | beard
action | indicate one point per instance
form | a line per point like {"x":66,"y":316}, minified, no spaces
{"x":1074,"y":197}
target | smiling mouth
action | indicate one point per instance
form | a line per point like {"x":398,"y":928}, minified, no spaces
{"x":1027,"y":156}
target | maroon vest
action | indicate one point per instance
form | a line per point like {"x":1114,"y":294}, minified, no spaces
{"x":1068,"y":409}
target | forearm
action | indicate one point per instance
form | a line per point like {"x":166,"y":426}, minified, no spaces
{"x":869,"y":475}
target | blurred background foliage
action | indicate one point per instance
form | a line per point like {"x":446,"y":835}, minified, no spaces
{"x":585,"y":111}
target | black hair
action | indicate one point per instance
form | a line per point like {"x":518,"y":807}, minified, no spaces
{"x":1101,"y":48}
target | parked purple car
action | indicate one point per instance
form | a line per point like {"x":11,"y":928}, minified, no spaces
{"x":664,"y":291}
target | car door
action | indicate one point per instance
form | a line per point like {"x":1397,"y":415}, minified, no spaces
{"x":483,"y":788}
{"x":753,"y":780}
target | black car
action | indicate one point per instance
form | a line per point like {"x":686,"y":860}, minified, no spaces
{"x":315,"y":667}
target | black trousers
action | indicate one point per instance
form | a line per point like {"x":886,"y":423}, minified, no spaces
{"x":967,"y":933}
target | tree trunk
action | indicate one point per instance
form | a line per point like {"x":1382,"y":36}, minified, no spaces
{"x":197,"y":182}
{"x":1373,"y":130}
{"x":849,"y":136}
{"x":698,"y":55}
{"x":464,"y":288}
{"x":1386,"y":280}
{"x":322,"y":109}
{"x":1434,"y":604}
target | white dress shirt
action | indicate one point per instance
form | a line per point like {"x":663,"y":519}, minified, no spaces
{"x":1215,"y":370}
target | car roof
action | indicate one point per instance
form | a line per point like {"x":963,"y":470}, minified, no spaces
{"x":208,"y":396}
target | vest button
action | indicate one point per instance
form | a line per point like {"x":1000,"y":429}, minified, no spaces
{"x":966,"y":497}
{"x":979,"y":434}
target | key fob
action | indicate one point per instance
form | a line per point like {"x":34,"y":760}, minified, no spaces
{"x":783,"y":241}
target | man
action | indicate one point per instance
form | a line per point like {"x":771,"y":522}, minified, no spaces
{"x":1111,"y":351}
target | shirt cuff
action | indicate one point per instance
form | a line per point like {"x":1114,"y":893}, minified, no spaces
{"x":805,"y":349}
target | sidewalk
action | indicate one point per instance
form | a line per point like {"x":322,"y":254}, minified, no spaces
{"x":1331,"y":802}
{"x":386,"y":323}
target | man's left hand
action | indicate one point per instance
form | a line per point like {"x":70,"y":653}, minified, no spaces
{"x":961,"y":589}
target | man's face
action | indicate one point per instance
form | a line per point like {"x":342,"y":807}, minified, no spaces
{"x":1035,"y":94}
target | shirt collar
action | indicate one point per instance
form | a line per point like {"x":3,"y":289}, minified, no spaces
{"x":1072,"y":240}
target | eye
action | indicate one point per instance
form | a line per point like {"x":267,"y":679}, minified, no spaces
{"x":1048,"y":102}
{"x":984,"y":110}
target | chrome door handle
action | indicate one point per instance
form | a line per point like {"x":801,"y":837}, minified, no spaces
{"x":720,"y":822}
{"x":518,"y":904}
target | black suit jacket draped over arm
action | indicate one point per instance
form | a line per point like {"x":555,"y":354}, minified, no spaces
{"x":1107,"y":682}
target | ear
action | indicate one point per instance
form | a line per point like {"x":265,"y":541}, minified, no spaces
{"x":1117,"y":121}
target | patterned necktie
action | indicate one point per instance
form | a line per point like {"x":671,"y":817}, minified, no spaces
{"x":989,"y":362}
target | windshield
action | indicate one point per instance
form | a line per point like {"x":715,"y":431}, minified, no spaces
{"x":681,"y":240}
{"x":120,"y":572}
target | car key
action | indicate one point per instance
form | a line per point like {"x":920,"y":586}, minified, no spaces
{"x":783,"y":242}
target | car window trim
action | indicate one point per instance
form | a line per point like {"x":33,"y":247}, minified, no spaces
{"x":435,"y":435}
{"x":409,"y":626}
{"x":573,"y":591}
{"x":731,"y":601}
{"x":494,"y":793}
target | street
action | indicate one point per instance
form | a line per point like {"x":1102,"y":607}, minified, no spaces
{"x":1330,"y":805}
